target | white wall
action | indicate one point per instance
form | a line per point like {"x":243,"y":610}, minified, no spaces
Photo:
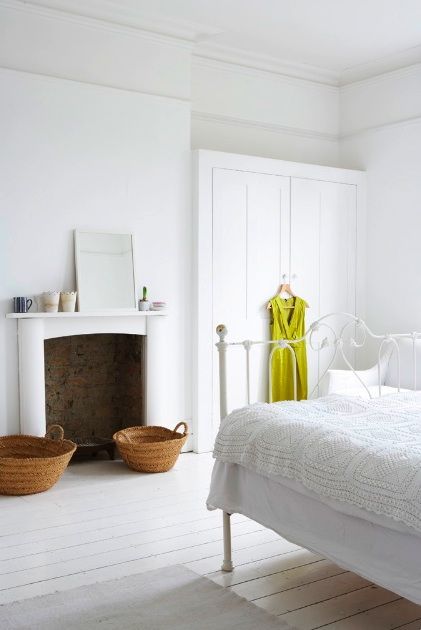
{"x":381,"y":126}
{"x":386,"y":99}
{"x":95,"y":119}
{"x":241,"y":109}
{"x":79,"y":154}
{"x":95,"y":128}
{"x":392,"y":159}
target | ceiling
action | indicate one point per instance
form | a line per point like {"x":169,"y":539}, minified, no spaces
{"x":347,"y":38}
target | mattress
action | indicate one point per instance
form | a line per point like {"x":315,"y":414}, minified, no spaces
{"x":383,"y":551}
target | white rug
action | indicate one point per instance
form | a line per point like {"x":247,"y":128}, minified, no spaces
{"x":173,"y":598}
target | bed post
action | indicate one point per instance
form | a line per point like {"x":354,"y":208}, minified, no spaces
{"x":223,"y":409}
{"x":222,"y":332}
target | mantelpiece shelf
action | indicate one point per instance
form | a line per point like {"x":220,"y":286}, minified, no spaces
{"x":87,"y":314}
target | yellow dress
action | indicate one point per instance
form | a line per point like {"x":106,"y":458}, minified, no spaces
{"x":288,"y":323}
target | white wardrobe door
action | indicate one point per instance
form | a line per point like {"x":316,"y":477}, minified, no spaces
{"x":250,"y":250}
{"x":323,"y":256}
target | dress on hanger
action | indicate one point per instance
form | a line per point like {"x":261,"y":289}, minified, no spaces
{"x":288,"y":323}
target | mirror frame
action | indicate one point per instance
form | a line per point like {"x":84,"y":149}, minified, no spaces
{"x":79,"y":297}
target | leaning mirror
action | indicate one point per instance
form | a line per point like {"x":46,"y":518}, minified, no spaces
{"x":105,"y":272}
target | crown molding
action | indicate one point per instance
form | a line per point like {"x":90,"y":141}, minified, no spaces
{"x":249,"y":61}
{"x":367,"y":72}
{"x":249,"y":71}
{"x":391,"y":75}
{"x":111,"y":16}
{"x":209,"y":54}
{"x":234,"y":121}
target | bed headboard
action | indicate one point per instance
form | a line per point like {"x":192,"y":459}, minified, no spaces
{"x":325,"y":335}
{"x":402,"y":368}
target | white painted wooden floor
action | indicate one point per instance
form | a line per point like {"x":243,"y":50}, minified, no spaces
{"x":102,"y":521}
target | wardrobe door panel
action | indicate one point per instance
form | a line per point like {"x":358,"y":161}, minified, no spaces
{"x":229,"y":246}
{"x":250,"y":241}
{"x":268,"y":214}
{"x":267,"y":239}
{"x":305,"y":251}
{"x":229,"y":273}
{"x":305,"y":247}
{"x":338,"y":230}
{"x":323,"y":244}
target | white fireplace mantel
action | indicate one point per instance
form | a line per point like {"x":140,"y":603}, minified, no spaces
{"x":34,"y":328}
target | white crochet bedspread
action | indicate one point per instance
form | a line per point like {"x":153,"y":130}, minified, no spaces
{"x":363,"y":452}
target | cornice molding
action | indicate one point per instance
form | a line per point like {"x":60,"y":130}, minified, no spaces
{"x":235,"y":65}
{"x":234,"y":121}
{"x":110,"y":16}
{"x":249,"y":62}
{"x":368,"y":72}
{"x":250,"y":71}
{"x":391,"y":75}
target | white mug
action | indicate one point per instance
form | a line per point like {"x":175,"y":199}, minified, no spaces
{"x":68,"y":301}
{"x":51,"y":300}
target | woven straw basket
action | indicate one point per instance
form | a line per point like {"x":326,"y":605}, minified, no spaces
{"x":151,"y":449}
{"x":31,"y":464}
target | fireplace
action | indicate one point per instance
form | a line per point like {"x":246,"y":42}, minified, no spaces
{"x":94,"y":383}
{"x":118,"y":331}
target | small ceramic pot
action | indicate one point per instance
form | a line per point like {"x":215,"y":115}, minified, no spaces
{"x":144,"y":305}
{"x":40,"y":302}
{"x":68,"y":301}
{"x":51,"y":300}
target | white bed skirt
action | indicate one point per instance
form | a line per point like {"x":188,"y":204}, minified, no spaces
{"x":384,"y":555}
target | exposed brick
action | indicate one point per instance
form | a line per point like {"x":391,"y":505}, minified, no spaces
{"x":94,"y":383}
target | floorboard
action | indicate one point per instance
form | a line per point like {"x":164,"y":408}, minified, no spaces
{"x":102,"y":521}
{"x":383,"y":617}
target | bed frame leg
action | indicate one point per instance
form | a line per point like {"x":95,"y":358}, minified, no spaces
{"x":222,"y":349}
{"x":227,"y":562}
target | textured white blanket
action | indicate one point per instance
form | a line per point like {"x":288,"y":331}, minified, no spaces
{"x":364,"y":452}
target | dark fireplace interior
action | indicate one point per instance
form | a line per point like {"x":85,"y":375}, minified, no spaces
{"x":94,"y":383}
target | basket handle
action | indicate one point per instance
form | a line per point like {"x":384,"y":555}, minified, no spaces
{"x":55,"y":432}
{"x":181,"y":424}
{"x":122,"y":437}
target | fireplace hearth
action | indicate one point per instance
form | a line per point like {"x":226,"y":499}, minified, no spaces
{"x":90,"y":447}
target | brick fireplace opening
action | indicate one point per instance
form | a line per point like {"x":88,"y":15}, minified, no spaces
{"x":94,"y":384}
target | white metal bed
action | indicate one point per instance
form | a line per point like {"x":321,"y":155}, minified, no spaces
{"x":369,"y":556}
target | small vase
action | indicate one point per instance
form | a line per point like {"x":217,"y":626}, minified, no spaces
{"x":68,"y":301}
{"x":144,"y":305}
{"x":51,"y":300}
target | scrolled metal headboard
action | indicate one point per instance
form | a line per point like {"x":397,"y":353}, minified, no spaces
{"x":339,"y":340}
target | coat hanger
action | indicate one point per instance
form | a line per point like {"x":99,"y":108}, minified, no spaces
{"x":285,"y":287}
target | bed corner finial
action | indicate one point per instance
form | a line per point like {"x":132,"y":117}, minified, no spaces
{"x":221,"y":331}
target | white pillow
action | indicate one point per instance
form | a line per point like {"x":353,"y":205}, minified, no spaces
{"x":373,"y":389}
